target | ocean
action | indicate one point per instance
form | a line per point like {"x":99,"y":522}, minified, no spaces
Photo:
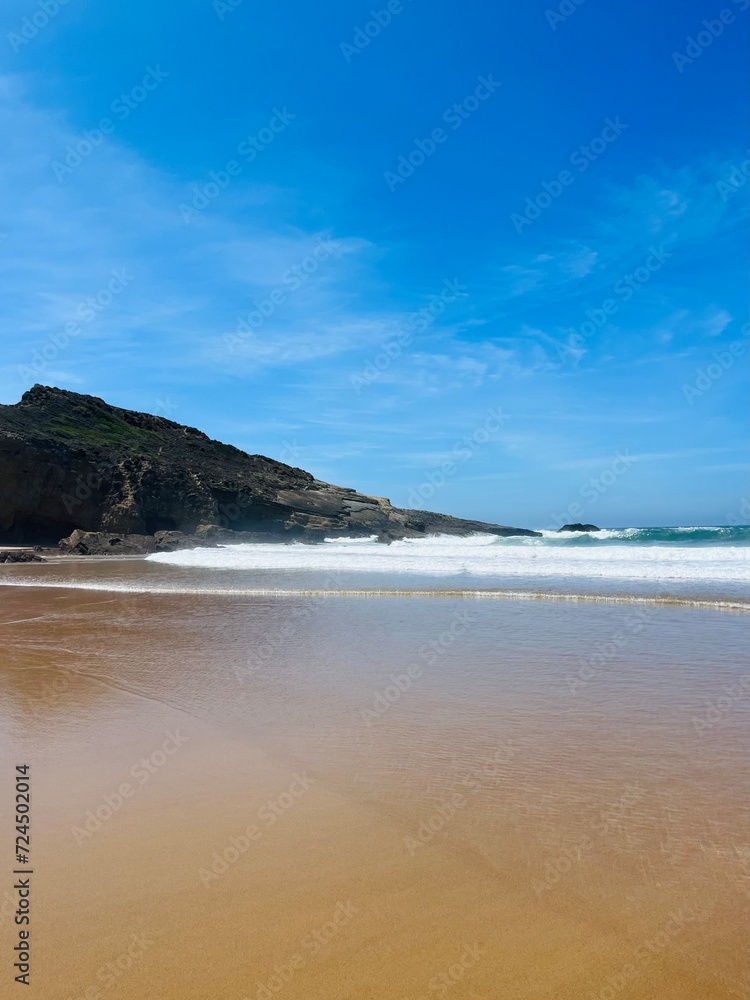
{"x":707,"y":564}
{"x":703,"y":566}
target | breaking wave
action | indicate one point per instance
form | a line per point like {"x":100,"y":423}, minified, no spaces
{"x":701,"y":554}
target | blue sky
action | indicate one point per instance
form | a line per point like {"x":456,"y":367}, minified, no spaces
{"x":488,"y":259}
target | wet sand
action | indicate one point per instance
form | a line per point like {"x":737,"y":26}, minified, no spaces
{"x":377,"y":797}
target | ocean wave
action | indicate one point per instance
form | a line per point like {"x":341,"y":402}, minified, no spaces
{"x":481,"y":556}
{"x":716,"y":535}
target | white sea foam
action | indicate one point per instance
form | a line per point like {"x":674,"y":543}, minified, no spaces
{"x":293,"y":593}
{"x":484,"y":556}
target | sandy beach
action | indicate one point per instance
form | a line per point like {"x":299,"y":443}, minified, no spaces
{"x":245,"y":798}
{"x":374,"y":513}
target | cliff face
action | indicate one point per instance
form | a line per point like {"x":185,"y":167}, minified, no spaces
{"x":70,"y":462}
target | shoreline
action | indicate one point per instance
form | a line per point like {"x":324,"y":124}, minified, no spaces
{"x":622,"y":571}
{"x":377,"y":592}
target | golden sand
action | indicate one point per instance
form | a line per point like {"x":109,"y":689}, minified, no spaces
{"x":204,"y":833}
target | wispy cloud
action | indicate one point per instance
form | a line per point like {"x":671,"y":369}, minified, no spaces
{"x":648,"y":456}
{"x":190,"y":285}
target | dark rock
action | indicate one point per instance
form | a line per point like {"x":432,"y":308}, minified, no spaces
{"x":102,"y":543}
{"x":170,"y":541}
{"x":72,"y":463}
{"x":579,"y":527}
{"x":20,"y":557}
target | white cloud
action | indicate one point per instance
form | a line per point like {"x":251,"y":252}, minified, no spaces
{"x":189,"y":283}
{"x":579,"y":262}
{"x":717,"y":322}
{"x":603,"y":461}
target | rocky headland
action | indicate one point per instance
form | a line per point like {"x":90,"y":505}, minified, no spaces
{"x":98,"y":479}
